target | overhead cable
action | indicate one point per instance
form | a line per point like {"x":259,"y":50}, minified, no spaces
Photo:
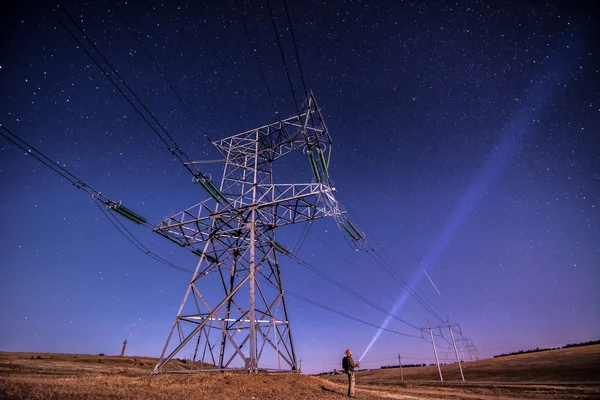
{"x":390,"y":270}
{"x":257,"y":58}
{"x":314,"y":303}
{"x":348,"y":290}
{"x":162,"y":73}
{"x":137,"y":243}
{"x":287,"y":71}
{"x":96,"y":195}
{"x":173,"y":147}
{"x":41,"y":157}
{"x":287,"y":12}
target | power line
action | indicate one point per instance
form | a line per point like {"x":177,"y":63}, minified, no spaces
{"x":96,"y":195}
{"x":389,"y":269}
{"x":295,"y":47}
{"x":389,"y":257}
{"x":256,"y":57}
{"x":386,"y":265}
{"x":302,"y":237}
{"x":129,"y":236}
{"x":138,"y":244}
{"x":287,"y":71}
{"x":310,"y":301}
{"x":340,"y":256}
{"x":162,"y":74}
{"x":41,"y":157}
{"x":179,"y":154}
{"x":348,"y":290}
{"x":297,"y":53}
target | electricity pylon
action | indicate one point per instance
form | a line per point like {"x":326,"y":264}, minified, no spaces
{"x":245,"y":325}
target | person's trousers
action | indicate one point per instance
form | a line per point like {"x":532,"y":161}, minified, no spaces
{"x":351,"y":382}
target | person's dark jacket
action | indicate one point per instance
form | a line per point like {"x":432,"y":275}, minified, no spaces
{"x":348,"y":364}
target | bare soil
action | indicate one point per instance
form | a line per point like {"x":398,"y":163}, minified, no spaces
{"x":559,"y":374}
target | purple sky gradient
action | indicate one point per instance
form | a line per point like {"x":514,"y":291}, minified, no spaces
{"x":465,"y":143}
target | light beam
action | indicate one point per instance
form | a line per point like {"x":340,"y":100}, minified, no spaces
{"x":510,"y":142}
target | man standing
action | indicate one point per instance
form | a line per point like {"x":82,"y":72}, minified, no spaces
{"x":349,"y":365}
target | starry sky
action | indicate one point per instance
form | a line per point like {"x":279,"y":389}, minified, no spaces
{"x":466,"y":145}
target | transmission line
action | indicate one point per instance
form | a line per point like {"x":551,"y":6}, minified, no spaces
{"x":256,"y":57}
{"x":162,"y":73}
{"x":384,"y":264}
{"x":302,"y":237}
{"x":348,"y":290}
{"x":38,"y":155}
{"x":341,"y":313}
{"x":98,"y":197}
{"x":314,"y":303}
{"x":179,"y":154}
{"x":390,"y":270}
{"x":287,"y":71}
{"x":360,"y":271}
{"x":182,"y":156}
{"x":389,"y":257}
{"x":137,"y":243}
{"x":295,"y":47}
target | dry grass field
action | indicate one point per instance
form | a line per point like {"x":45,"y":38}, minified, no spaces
{"x":558,"y":374}
{"x":78,"y":376}
{"x":555,"y":374}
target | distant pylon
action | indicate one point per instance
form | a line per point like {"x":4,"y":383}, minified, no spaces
{"x":123,"y":348}
{"x":455,"y":351}
{"x":400,"y":364}
{"x":245,"y":324}
{"x":437,"y":361}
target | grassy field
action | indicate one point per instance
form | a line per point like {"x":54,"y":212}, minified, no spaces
{"x":575,"y":364}
{"x":557,"y":374}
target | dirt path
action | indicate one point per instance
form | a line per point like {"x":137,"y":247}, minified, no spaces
{"x":387,"y":394}
{"x":486,"y":392}
{"x":432,"y":394}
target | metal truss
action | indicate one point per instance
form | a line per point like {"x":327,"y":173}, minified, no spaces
{"x":234,"y":314}
{"x":276,"y":204}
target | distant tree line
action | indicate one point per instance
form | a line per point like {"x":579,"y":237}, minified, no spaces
{"x":405,"y":366}
{"x":581,"y":344}
{"x":537,"y":349}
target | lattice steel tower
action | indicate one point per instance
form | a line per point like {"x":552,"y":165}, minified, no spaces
{"x":245,"y":325}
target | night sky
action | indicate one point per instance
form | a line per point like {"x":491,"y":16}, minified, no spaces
{"x":466,"y":144}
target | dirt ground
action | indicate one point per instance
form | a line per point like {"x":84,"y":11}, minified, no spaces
{"x":561,"y":374}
